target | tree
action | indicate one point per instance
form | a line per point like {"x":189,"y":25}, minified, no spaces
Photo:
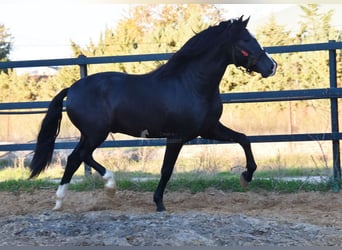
{"x":15,"y":87}
{"x":5,"y":43}
{"x":153,"y":28}
{"x":316,"y":26}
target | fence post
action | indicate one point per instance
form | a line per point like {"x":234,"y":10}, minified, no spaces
{"x":334,"y":121}
{"x":84,"y":73}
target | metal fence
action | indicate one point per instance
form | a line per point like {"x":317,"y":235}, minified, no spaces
{"x":332,"y":93}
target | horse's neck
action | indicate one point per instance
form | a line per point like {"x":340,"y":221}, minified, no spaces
{"x":209,"y":70}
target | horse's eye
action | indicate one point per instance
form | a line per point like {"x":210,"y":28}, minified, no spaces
{"x":244,"y":52}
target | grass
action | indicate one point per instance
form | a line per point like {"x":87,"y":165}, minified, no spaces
{"x":204,"y":168}
{"x":26,"y":185}
{"x":191,"y":181}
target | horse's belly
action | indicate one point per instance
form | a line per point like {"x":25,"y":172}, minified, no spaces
{"x":145,"y":131}
{"x":155,"y":128}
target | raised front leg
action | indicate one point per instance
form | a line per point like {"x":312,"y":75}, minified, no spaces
{"x":171,"y":154}
{"x":222,"y":133}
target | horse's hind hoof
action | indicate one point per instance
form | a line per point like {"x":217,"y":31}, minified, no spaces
{"x":243,"y":182}
{"x":59,"y":205}
{"x":57,"y":209}
{"x":110,"y":192}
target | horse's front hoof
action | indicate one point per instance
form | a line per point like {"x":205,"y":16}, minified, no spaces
{"x":243,"y":182}
{"x":160,"y":206}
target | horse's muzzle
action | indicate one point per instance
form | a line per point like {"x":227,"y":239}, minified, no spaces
{"x":274,"y":69}
{"x":271,"y":69}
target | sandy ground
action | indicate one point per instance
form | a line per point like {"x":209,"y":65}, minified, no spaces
{"x":311,"y":207}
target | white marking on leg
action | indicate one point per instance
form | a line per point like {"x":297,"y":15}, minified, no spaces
{"x":60,"y":195}
{"x":110,"y":181}
{"x":144,"y":133}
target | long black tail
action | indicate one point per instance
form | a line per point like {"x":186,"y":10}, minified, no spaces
{"x":47,"y":135}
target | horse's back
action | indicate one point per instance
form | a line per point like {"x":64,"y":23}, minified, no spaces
{"x":96,"y":83}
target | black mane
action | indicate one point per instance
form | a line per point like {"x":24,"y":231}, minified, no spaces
{"x":195,"y":46}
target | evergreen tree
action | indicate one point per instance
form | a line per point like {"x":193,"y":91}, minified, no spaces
{"x":5,"y":43}
{"x":155,"y":28}
{"x":315,"y":26}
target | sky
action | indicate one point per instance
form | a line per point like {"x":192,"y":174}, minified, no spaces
{"x":44,"y":29}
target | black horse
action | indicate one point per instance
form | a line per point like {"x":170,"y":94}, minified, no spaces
{"x":178,"y":101}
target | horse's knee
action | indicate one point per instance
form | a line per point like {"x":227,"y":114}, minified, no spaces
{"x":243,"y":140}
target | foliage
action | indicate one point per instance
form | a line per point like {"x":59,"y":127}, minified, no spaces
{"x":316,"y":25}
{"x":17,"y":88}
{"x":5,"y":43}
{"x":149,"y":29}
{"x":160,"y":28}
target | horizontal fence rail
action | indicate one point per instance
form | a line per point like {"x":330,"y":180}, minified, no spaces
{"x":269,"y":96}
{"x":332,"y":93}
{"x":197,"y":141}
{"x":82,"y":60}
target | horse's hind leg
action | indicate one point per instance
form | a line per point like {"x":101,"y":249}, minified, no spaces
{"x":222,"y":133}
{"x":73,"y":163}
{"x":83,"y":152}
{"x":108,"y":176}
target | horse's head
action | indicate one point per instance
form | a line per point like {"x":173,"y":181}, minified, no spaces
{"x":247,"y":52}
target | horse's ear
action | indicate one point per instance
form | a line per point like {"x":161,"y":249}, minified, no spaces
{"x":236,"y":25}
{"x":244,"y":23}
